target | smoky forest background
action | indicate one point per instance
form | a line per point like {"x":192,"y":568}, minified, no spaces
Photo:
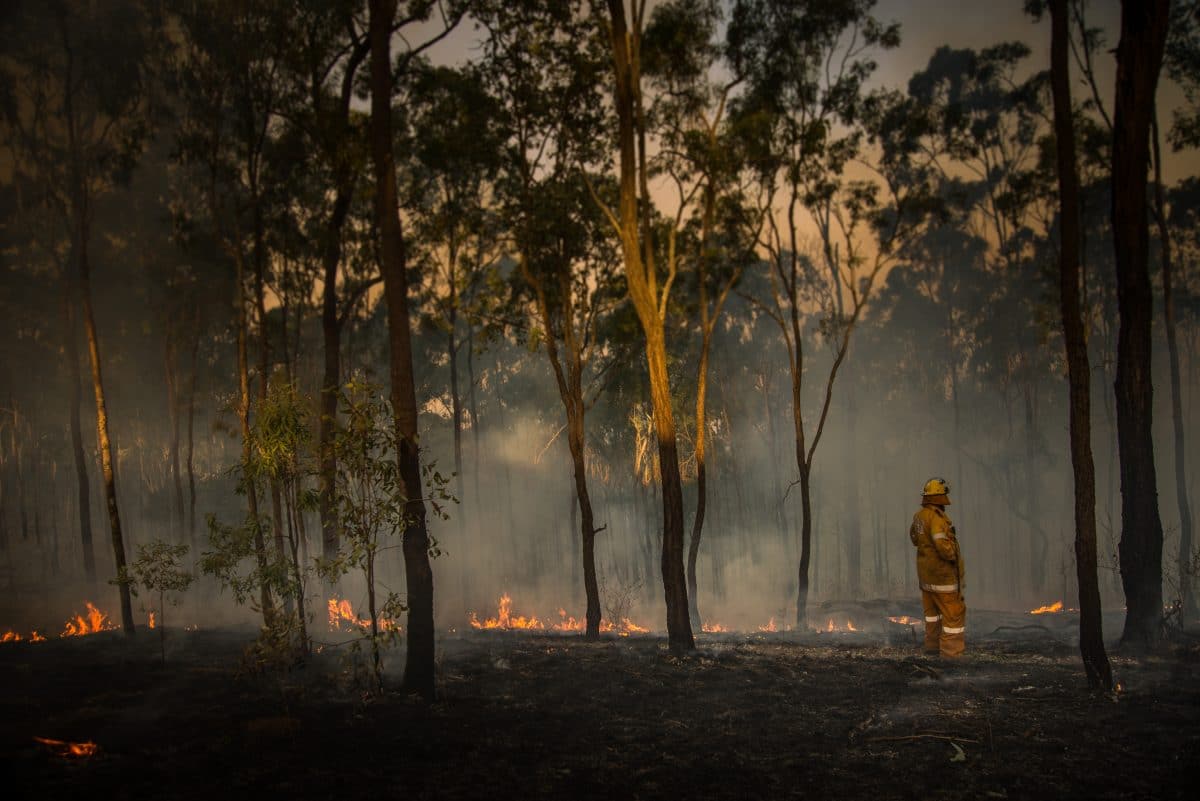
{"x":650,"y":317}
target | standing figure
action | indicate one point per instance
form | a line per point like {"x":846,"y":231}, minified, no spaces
{"x":940,"y":571}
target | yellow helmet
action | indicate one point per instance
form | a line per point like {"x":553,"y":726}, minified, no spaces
{"x":936,"y":490}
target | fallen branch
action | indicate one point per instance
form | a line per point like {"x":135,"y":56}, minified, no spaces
{"x":930,"y":736}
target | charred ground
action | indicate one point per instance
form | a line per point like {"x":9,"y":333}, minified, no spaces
{"x":545,"y":716}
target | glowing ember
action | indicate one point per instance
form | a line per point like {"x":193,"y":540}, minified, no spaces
{"x":1057,"y":606}
{"x":151,"y":620}
{"x":905,"y":620}
{"x":343,"y":611}
{"x":65,"y":749}
{"x":713,"y":628}
{"x":96,"y":621}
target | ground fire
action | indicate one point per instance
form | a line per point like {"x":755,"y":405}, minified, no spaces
{"x":66,"y":749}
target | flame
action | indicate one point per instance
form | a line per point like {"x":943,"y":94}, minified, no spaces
{"x":1057,"y":606}
{"x":505,"y":620}
{"x":151,"y":620}
{"x":343,"y":610}
{"x":830,"y":626}
{"x":771,"y":626}
{"x":96,"y":621}
{"x":10,"y":636}
{"x":63,"y":748}
{"x":905,"y":620}
{"x":713,"y":628}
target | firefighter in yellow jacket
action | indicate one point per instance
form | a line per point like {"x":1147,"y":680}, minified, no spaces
{"x":940,"y":571}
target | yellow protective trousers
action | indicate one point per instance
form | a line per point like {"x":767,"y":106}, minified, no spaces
{"x":945,"y":623}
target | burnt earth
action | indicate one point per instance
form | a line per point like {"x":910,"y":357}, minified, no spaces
{"x":541,"y":716}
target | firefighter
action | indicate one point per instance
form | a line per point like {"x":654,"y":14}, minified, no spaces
{"x":940,"y":571}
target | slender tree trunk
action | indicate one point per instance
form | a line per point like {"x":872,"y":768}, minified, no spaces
{"x":331,"y":331}
{"x":81,"y":475}
{"x":106,"y":461}
{"x":419,"y":666}
{"x":1091,"y":639}
{"x":266,"y":598}
{"x":1187,"y":600}
{"x":191,"y":426}
{"x":170,"y":370}
{"x":641,"y":276}
{"x":1139,"y":58}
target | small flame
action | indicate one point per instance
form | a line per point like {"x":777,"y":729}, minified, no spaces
{"x":771,"y":626}
{"x":905,"y":620}
{"x":343,"y":611}
{"x":830,"y":626}
{"x":505,"y":619}
{"x":96,"y":621}
{"x":713,"y":628}
{"x":66,"y":749}
{"x":1057,"y":606}
{"x":151,"y":620}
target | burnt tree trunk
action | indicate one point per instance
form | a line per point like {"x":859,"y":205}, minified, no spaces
{"x":418,"y":667}
{"x":1091,"y":639}
{"x":170,"y":370}
{"x":331,"y":331}
{"x":1139,"y":58}
{"x":190,"y":460}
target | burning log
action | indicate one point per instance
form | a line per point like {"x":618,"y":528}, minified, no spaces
{"x":63,"y":748}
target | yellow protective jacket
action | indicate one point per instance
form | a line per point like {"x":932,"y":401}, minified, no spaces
{"x":939,"y":561}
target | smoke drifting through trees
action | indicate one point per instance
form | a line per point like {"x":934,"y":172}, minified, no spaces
{"x":899,"y":237}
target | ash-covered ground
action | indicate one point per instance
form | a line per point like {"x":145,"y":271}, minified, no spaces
{"x":527,"y":715}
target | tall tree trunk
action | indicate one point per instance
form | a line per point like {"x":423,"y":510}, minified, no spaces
{"x":1139,"y":58}
{"x":331,"y":379}
{"x":418,"y":667}
{"x":171,"y":371}
{"x":641,"y":277}
{"x":266,"y":598}
{"x":191,"y":426}
{"x":81,"y":475}
{"x":1091,"y":639}
{"x":106,"y":462}
{"x":1186,"y":598}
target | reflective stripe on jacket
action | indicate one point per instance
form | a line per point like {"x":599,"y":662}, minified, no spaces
{"x":939,"y":562}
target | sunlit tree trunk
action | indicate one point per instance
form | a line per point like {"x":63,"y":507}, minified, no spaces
{"x":1091,"y":639}
{"x":640,"y":273}
{"x":83,"y":280}
{"x":1139,"y":58}
{"x":419,"y":666}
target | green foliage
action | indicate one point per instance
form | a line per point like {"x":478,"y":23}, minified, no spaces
{"x":373,"y":507}
{"x":158,"y":570}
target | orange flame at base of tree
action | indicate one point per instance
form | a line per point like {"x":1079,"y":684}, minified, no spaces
{"x":505,"y":620}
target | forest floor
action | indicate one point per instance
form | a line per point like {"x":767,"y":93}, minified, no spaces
{"x":522,"y":715}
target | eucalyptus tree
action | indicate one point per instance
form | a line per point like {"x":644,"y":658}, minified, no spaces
{"x":544,"y":66}
{"x":230,"y":91}
{"x":1091,"y":635}
{"x":709,"y":237}
{"x":386,"y":17}
{"x":1139,"y":59}
{"x":836,"y":218}
{"x":650,"y":292}
{"x":78,"y":108}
